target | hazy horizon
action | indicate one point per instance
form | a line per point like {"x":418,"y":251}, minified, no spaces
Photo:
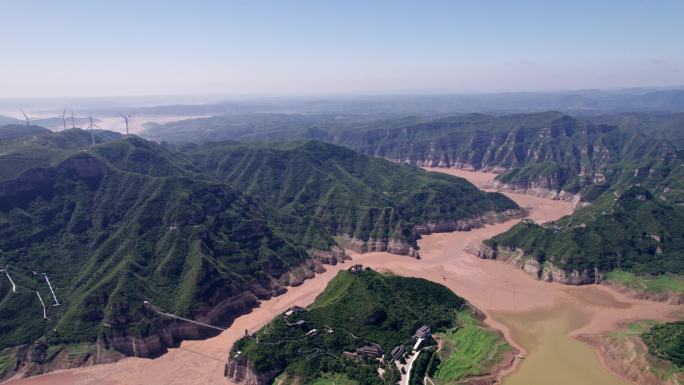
{"x":89,"y":49}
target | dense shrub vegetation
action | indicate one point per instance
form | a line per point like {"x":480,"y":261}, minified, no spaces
{"x":356,"y":309}
{"x":636,"y":232}
{"x":666,"y":341}
{"x":323,"y":190}
{"x":129,"y":220}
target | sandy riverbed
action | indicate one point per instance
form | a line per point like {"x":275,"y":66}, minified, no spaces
{"x":513,"y":301}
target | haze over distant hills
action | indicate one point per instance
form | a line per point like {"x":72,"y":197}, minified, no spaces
{"x":403,"y":103}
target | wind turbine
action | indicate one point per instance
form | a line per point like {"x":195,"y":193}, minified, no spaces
{"x":64,"y":118}
{"x":73,"y":124}
{"x":125,"y":118}
{"x":92,"y":135}
{"x":28,"y":120}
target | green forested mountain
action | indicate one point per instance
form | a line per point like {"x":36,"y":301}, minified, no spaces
{"x":635,"y":232}
{"x":128,"y":220}
{"x":597,"y":157}
{"x":318,"y":186}
{"x":41,"y":148}
{"x":549,"y":150}
{"x":17,"y":131}
{"x":359,"y":308}
{"x":657,"y":125}
{"x":118,"y":224}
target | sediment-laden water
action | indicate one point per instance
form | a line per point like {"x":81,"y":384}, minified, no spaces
{"x":537,"y":317}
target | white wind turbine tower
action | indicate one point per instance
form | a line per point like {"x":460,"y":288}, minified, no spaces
{"x":64,"y":119}
{"x":73,"y":122}
{"x":26,"y":117}
{"x":92,"y":135}
{"x":125,"y":118}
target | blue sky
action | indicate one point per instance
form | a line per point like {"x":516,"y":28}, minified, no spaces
{"x":102,"y":48}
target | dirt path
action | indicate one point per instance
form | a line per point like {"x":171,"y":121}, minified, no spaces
{"x":494,"y":287}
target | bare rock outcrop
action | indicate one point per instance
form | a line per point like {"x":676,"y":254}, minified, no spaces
{"x":543,"y":190}
{"x":626,"y":355}
{"x":468,"y":224}
{"x":391,"y":245}
{"x":544,"y":271}
{"x":240,"y":371}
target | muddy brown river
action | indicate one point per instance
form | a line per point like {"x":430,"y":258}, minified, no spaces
{"x":539,"y":318}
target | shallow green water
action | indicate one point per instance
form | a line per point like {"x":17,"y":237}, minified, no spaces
{"x":552,"y":357}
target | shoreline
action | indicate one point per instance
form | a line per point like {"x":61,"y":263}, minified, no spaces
{"x":490,"y":286}
{"x":639,"y":369}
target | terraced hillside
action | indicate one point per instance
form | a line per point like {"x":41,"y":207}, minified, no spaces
{"x":127,"y":221}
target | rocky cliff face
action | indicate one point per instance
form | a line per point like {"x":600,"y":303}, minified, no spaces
{"x":468,"y":224}
{"x":404,"y":247}
{"x":542,"y":189}
{"x":391,"y":245}
{"x":223,"y":312}
{"x":172,"y":333}
{"x":119,"y":343}
{"x":547,"y":154}
{"x":544,"y":271}
{"x":36,"y":359}
{"x":239,"y":371}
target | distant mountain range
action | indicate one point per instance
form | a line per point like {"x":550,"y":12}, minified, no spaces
{"x":551,"y":152}
{"x":4,"y":120}
{"x":578,"y":101}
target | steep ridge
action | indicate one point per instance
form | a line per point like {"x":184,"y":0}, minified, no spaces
{"x":39,"y":147}
{"x":545,"y":153}
{"x":110,"y":238}
{"x":635,"y":232}
{"x":17,"y":131}
{"x":128,"y":221}
{"x":657,"y":125}
{"x":329,"y":194}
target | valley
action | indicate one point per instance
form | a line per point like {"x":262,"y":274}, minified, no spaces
{"x":512,"y":300}
{"x":341,"y":193}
